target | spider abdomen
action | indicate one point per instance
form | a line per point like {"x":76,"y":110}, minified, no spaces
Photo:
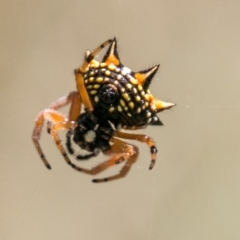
{"x":116,"y":93}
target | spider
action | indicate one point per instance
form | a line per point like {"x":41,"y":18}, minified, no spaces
{"x":114,"y":98}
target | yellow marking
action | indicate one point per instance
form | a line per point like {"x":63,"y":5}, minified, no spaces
{"x":147,"y":97}
{"x":143,"y":107}
{"x":117,"y":70}
{"x":148,"y":91}
{"x":146,"y":104}
{"x":126,"y":96}
{"x":153,"y":107}
{"x":89,"y":87}
{"x":119,"y":108}
{"x":142,"y":93}
{"x":125,"y":108}
{"x":111,"y":109}
{"x":123,"y":73}
{"x":99,"y":79}
{"x":140,"y":88}
{"x":106,"y":79}
{"x":96,"y":86}
{"x":91,"y":79}
{"x":122,"y":103}
{"x":139,"y":110}
{"x":96,"y":99}
{"x":129,"y":86}
{"x":93,"y":92}
{"x":119,"y":76}
{"x":107,"y":72}
{"x":148,"y":114}
{"x":131,"y":105}
{"x":92,"y":73}
{"x":134,"y":90}
{"x":149,"y":120}
{"x":87,"y":69}
{"x":116,"y":82}
{"x":103,"y":65}
{"x":129,"y":114}
{"x":111,"y":67}
{"x":140,"y":77}
{"x":133,"y":80}
{"x":122,"y":89}
{"x":95,"y":64}
{"x":137,"y":98}
{"x":125,"y":70}
{"x":86,"y":81}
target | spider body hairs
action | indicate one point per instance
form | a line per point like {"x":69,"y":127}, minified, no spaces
{"x":114,"y":98}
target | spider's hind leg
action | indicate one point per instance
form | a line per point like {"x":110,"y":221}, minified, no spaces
{"x":126,"y":152}
{"x":141,"y":138}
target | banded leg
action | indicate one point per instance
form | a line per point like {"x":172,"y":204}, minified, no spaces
{"x":75,"y":108}
{"x":120,"y":150}
{"x":51,"y":116}
{"x":129,"y":154}
{"x":142,"y":138}
{"x":79,"y":75}
{"x":116,"y":159}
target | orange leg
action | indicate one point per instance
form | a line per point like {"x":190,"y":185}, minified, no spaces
{"x":53,"y":117}
{"x":128,"y":153}
{"x":79,"y":76}
{"x":75,"y":108}
{"x":121,"y":151}
{"x":116,"y":159}
{"x":142,"y":138}
{"x":74,"y":99}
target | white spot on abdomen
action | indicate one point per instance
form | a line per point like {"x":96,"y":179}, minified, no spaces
{"x":90,"y":136}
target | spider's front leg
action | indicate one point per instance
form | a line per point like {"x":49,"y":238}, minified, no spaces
{"x":141,"y":138}
{"x":57,"y":121}
{"x":52,"y":117}
{"x":80,"y":79}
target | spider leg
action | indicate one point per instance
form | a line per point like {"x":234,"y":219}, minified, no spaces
{"x":53,"y":117}
{"x":75,"y":108}
{"x":142,"y":138}
{"x":74,"y":99}
{"x":87,"y":156}
{"x":119,"y":149}
{"x":129,"y":153}
{"x":79,"y":75}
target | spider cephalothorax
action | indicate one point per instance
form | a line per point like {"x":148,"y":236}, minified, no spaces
{"x":91,"y":134}
{"x":113,"y":97}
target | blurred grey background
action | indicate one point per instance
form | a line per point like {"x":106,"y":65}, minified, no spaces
{"x":193,"y":191}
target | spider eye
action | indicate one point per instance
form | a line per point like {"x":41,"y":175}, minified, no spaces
{"x":109,"y":94}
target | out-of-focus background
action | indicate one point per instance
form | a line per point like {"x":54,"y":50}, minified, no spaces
{"x":193,"y":191}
